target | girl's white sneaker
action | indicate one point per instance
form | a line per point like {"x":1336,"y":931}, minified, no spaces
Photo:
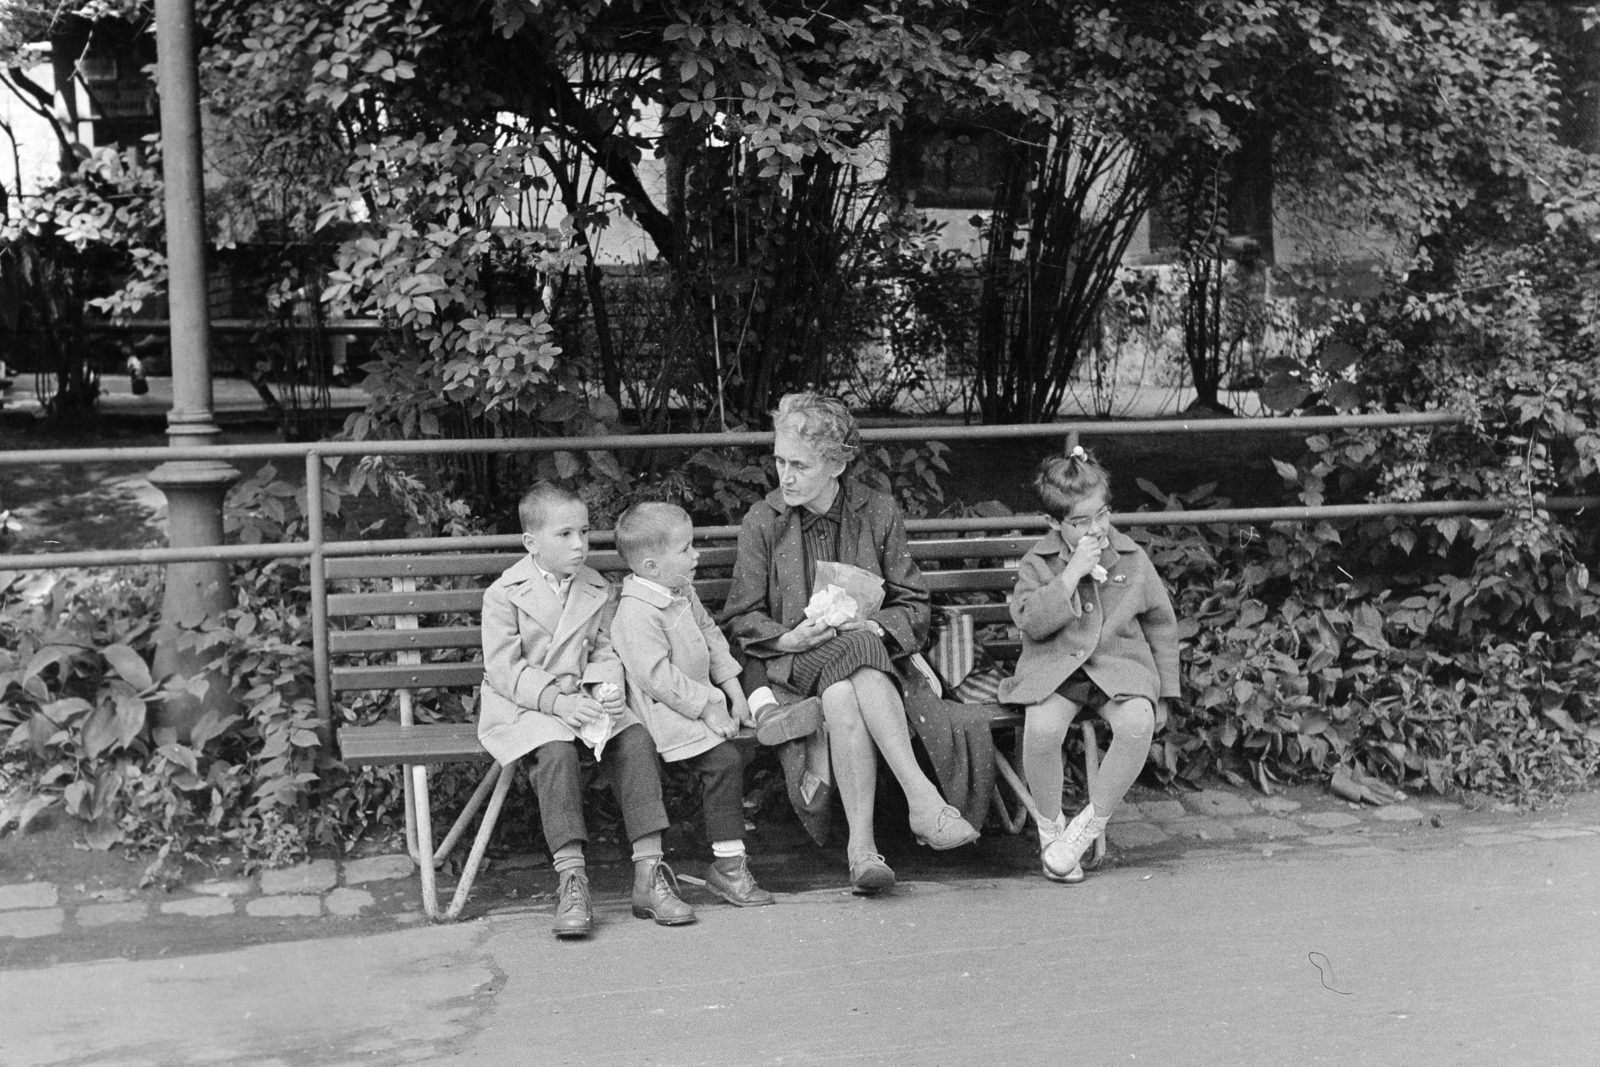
{"x":1066,"y":851}
{"x":1049,"y":834}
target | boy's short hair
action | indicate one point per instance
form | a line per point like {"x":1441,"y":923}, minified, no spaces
{"x":533,"y":510}
{"x":1063,"y":481}
{"x":645,"y":527}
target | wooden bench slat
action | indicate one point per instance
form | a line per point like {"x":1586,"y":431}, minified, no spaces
{"x":352,"y":642}
{"x":421,"y":602}
{"x":713,"y":591}
{"x":384,"y":744}
{"x":487,"y":564}
{"x":973,"y":548}
{"x":970,"y":581}
{"x":607,"y":561}
{"x":982,"y":614}
{"x":408,"y":676}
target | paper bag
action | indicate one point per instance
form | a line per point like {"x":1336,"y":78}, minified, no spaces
{"x":864,"y":587}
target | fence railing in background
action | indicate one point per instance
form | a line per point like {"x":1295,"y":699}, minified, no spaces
{"x":316,"y":549}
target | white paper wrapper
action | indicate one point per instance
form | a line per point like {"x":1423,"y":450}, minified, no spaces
{"x":832,"y":606}
{"x":598,"y":733}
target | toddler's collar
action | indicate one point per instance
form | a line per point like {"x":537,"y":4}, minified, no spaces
{"x":653,"y":593}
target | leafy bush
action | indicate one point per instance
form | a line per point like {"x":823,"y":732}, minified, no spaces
{"x":1443,"y":653}
{"x":78,"y":709}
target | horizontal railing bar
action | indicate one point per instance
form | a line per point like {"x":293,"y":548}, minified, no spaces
{"x":633,"y":442}
{"x":136,"y":557}
{"x":1215,"y":517}
{"x":158,"y":326}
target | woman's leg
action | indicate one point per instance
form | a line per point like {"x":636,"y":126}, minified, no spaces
{"x":1133,"y":724}
{"x":1044,"y":731}
{"x":884,"y":714}
{"x":855,"y":764}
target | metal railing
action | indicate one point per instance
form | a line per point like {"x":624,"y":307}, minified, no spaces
{"x":316,"y":549}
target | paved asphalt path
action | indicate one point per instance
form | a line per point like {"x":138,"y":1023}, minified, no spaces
{"x":1446,"y":955}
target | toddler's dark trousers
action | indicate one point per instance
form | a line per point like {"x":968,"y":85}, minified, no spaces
{"x":720,"y":772}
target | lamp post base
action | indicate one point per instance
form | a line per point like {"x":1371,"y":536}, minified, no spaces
{"x":194,"y":591}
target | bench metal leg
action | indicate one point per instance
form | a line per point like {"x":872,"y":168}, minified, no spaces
{"x":411,"y":814}
{"x":420,"y":814}
{"x":448,"y":845}
{"x":453,"y":838}
{"x":418,"y":775}
{"x":1014,"y":823}
{"x":1091,"y":771}
{"x":480,"y":844}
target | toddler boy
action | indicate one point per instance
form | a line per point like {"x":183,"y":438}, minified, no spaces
{"x":684,"y":683}
{"x":552,"y":679}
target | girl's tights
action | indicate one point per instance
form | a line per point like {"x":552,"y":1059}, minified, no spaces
{"x":1133,"y":724}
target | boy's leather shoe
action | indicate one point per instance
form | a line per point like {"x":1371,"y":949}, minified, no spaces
{"x":656,"y":896}
{"x":731,"y":880}
{"x":574,"y":916}
{"x":777,"y":723}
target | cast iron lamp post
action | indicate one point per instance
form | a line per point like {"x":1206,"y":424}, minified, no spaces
{"x":194,"y":488}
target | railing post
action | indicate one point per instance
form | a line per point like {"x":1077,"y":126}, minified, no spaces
{"x":194,"y":488}
{"x":319,"y":590}
{"x":1070,"y":443}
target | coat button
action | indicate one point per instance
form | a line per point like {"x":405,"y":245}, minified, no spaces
{"x":1088,"y":607}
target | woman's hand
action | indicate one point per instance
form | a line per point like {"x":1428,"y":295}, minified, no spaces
{"x":808,"y":635}
{"x":870,"y":625}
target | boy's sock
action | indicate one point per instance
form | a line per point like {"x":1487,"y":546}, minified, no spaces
{"x":568,"y":857}
{"x":762,"y":698}
{"x":727,"y":850}
{"x":648,"y":847}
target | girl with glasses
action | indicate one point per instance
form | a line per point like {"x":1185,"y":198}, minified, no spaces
{"x":1098,"y":634}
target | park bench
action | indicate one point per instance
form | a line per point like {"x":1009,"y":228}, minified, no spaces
{"x":388,"y":640}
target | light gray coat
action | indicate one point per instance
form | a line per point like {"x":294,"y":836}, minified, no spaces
{"x":534,"y":647}
{"x":1122,"y":631}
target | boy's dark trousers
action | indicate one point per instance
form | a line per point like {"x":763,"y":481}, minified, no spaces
{"x":629,"y":766}
{"x":720,"y":772}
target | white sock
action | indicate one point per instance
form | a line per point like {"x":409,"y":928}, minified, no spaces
{"x":727,"y":850}
{"x":761,"y":698}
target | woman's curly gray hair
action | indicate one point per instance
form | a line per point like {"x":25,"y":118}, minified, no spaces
{"x":823,"y":422}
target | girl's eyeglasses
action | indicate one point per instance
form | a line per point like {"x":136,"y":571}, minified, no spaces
{"x":1084,"y":523}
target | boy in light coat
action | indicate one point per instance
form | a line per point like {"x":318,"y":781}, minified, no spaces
{"x":551,"y":680}
{"x":684,"y":683}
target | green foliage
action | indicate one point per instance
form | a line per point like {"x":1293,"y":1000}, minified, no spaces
{"x":919,"y":301}
{"x":1445,"y":653}
{"x":79,"y":709}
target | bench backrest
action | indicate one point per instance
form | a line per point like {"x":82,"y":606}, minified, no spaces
{"x":951,"y":565}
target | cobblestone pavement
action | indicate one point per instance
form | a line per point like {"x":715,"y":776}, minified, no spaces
{"x":42,"y":922}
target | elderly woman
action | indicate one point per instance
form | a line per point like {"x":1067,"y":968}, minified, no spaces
{"x":815,"y":515}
